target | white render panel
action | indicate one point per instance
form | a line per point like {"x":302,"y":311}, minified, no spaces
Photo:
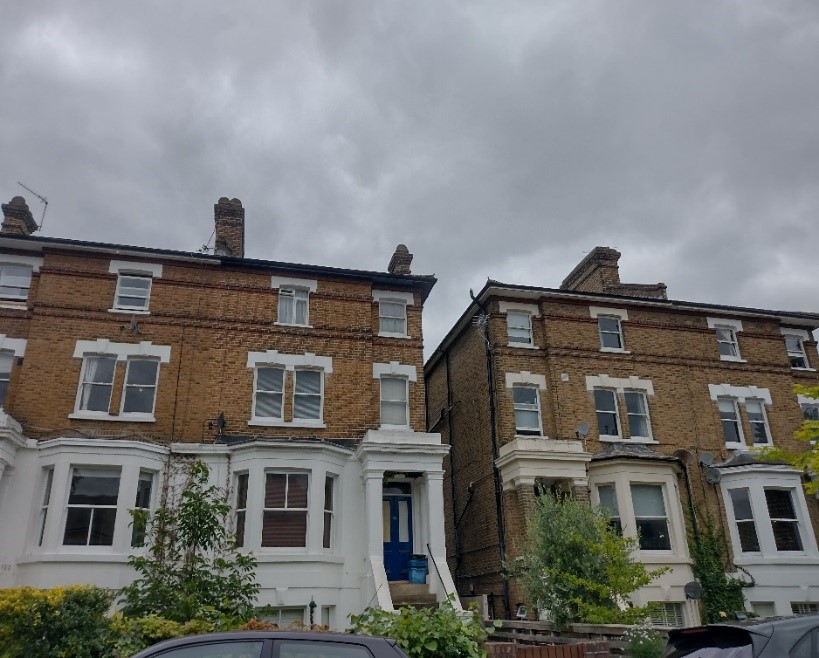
{"x":286,"y":282}
{"x":130,"y":266}
{"x":525,"y":377}
{"x":395,"y":369}
{"x":741,"y":393}
{"x":620,"y":384}
{"x":406,"y":297}
{"x":122,"y":350}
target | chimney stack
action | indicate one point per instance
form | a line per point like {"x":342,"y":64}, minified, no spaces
{"x":229,"y":217}
{"x":598,"y":271}
{"x":400,"y":261}
{"x":17,"y":218}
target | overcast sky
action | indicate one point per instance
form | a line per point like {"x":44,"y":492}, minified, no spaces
{"x":496,"y":139}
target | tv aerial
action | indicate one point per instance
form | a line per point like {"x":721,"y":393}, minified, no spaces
{"x":42,"y":199}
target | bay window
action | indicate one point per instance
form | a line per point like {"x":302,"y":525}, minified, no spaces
{"x":91,"y":511}
{"x":650,"y":517}
{"x":284,"y":519}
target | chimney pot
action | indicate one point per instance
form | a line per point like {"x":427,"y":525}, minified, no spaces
{"x":400,"y":261}
{"x":17,"y":218}
{"x":229,"y":217}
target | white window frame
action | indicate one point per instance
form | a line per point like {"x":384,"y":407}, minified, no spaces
{"x":647,"y":416}
{"x":329,"y":512}
{"x":529,"y":311}
{"x":405,"y":380}
{"x":403,"y":299}
{"x":624,"y":474}
{"x":763,"y":422}
{"x":290,"y":362}
{"x":609,"y":313}
{"x":527,"y":379}
{"x":68,"y":506}
{"x":146,"y":415}
{"x":738,"y":420}
{"x":795,"y":521}
{"x":297,"y":295}
{"x":85,"y":349}
{"x":616,"y":412}
{"x":42,"y":517}
{"x":757,"y":478}
{"x":614,"y":514}
{"x":740,"y":394}
{"x":751,"y":521}
{"x":733,"y":327}
{"x":809,"y":407}
{"x":522,"y":406}
{"x":132,"y":269}
{"x":78,"y":405}
{"x":800,"y":336}
{"x":144,"y":476}
{"x":287,"y":508}
{"x":268,"y":366}
{"x":607,"y":332}
{"x":621,"y":385}
{"x":396,"y":369}
{"x":239,"y":478}
{"x":665,"y":517}
{"x":6,"y":357}
{"x":14,"y":260}
{"x":5,"y":274}
{"x":320,"y":395}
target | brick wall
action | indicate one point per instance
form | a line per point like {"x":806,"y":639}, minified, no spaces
{"x":211,"y":316}
{"x":673,"y":348}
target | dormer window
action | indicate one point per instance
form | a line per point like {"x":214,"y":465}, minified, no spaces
{"x":134,"y":282}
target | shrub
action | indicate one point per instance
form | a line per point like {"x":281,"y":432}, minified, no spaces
{"x":442,"y":632}
{"x":63,"y":622}
{"x":192,"y":569}
{"x":133,"y":635}
{"x":642,"y":641}
{"x":574,"y":564}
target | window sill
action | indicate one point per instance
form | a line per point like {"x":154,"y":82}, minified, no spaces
{"x":732,"y":359}
{"x":275,"y":422}
{"x":737,"y":446}
{"x":269,"y":554}
{"x":798,"y":558}
{"x":619,"y":439}
{"x":125,"y":311}
{"x":18,"y":306}
{"x":396,"y":428}
{"x":293,"y":324}
{"x":525,"y":346}
{"x":804,"y":369}
{"x":530,"y":435}
{"x":387,"y":334}
{"x":92,"y":554}
{"x":125,"y":418}
{"x":614,"y":350}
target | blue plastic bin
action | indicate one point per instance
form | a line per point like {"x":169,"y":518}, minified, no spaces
{"x":418,"y":569}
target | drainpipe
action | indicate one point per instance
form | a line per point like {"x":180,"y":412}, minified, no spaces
{"x":458,"y":557}
{"x":495,"y":470}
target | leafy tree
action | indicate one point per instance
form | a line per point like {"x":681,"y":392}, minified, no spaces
{"x":192,"y":569}
{"x":804,"y":460}
{"x":577,"y":566}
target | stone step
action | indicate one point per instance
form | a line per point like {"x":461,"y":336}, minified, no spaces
{"x":411,"y":594}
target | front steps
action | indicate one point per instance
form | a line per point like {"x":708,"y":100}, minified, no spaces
{"x":406,"y":594}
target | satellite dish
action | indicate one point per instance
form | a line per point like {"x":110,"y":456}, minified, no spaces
{"x":713,"y":475}
{"x":685,"y":456}
{"x":693,"y":590}
{"x":582,"y":430}
{"x":706,"y":458}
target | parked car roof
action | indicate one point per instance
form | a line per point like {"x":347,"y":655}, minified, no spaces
{"x":380,"y":647}
{"x":767,"y":637}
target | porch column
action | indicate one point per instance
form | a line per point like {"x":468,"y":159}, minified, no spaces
{"x":373,"y":485}
{"x":435,"y":513}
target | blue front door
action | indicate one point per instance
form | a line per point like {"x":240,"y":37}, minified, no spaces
{"x":397,"y":512}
